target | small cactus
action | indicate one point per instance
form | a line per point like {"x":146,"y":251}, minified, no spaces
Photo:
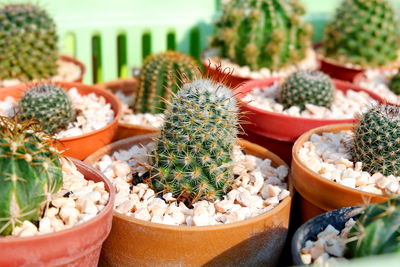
{"x":28,"y":46}
{"x":376,"y":141}
{"x":193,"y":156}
{"x":377,"y":230}
{"x":30,"y":170}
{"x":49,"y":104}
{"x":263,"y":33}
{"x":394,"y":84}
{"x":364,"y":33}
{"x":307,"y":87}
{"x":160,"y":77}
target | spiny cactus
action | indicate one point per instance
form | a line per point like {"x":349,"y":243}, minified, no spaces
{"x":193,"y":155}
{"x":28,"y":46}
{"x":377,"y":230}
{"x":29,"y":171}
{"x":307,"y":87}
{"x":263,"y":33}
{"x":160,"y":77}
{"x":49,"y":104}
{"x":376,"y":141}
{"x":394,"y":84}
{"x":364,"y":33}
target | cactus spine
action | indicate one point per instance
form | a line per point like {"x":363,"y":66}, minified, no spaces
{"x":29,"y":171}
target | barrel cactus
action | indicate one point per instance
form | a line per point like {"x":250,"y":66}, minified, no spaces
{"x":30,"y":171}
{"x":161,"y":76}
{"x":394,"y":83}
{"x":376,"y":141}
{"x":364,"y":33}
{"x":28,"y":47}
{"x":193,"y":157}
{"x":49,"y":104}
{"x":377,"y":230}
{"x":307,"y":87}
{"x":263,"y":33}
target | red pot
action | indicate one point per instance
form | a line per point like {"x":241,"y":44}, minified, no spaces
{"x":338,"y":71}
{"x":223,"y":75}
{"x":76,"y":62}
{"x":76,"y":246}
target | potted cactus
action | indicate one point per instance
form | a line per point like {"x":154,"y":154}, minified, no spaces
{"x":28,"y":50}
{"x":260,"y":39}
{"x":349,"y":233}
{"x":362,"y":35}
{"x":183,"y":188}
{"x":45,"y":217}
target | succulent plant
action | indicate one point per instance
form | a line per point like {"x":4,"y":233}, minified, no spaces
{"x":30,"y":170}
{"x":263,"y":33}
{"x":377,"y":230}
{"x":376,"y":141}
{"x":307,"y":87}
{"x":394,"y":84}
{"x":364,"y":33}
{"x":28,"y":46}
{"x":193,"y":156}
{"x":49,"y":104}
{"x":161,"y":76}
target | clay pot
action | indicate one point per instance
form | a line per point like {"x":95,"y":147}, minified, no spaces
{"x":252,"y":242}
{"x":317,"y":194}
{"x":76,"y":246}
{"x":127,"y":86}
{"x":78,"y":63}
{"x":281,"y":131}
{"x":338,"y":71}
{"x":224,"y":75}
{"x":78,"y":146}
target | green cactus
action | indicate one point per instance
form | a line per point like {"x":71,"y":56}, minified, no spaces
{"x":364,"y":33}
{"x":377,"y":230}
{"x":263,"y":33}
{"x":28,"y":46}
{"x":160,"y":77}
{"x":394,"y":84}
{"x":376,"y":141}
{"x":29,"y":172}
{"x":307,"y":87}
{"x":194,"y":152}
{"x":49,"y":104}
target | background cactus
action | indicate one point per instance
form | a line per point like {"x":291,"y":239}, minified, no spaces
{"x":263,"y":33}
{"x":49,"y":104}
{"x":363,"y":32}
{"x":377,"y":231}
{"x":29,"y":171}
{"x":307,"y":87}
{"x":193,"y":156}
{"x":376,"y":141}
{"x":160,"y":77}
{"x":394,"y":84}
{"x":28,"y":46}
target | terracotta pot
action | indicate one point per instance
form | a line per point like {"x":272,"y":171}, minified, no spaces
{"x":78,"y":146}
{"x":223,"y":75}
{"x":318,"y":194}
{"x":76,"y":246}
{"x":76,"y":62}
{"x":338,"y":71}
{"x":252,"y":242}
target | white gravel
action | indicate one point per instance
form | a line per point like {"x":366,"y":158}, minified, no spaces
{"x":93,"y":113}
{"x":78,"y":201}
{"x":259,"y":188}
{"x":328,"y":155}
{"x":344,"y":106}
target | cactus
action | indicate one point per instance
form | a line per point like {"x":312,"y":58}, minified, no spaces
{"x":29,"y":171}
{"x":49,"y":104}
{"x":376,"y":141}
{"x":377,"y":230}
{"x":307,"y":87}
{"x":160,"y":77}
{"x":394,"y":84}
{"x":28,"y":46}
{"x":263,"y":33}
{"x":364,"y":33}
{"x":192,"y":159}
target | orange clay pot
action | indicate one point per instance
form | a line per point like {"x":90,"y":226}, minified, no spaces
{"x":253,"y":242}
{"x":76,"y":62}
{"x":318,"y":194}
{"x":76,"y":246}
{"x":78,"y":146}
{"x":127,"y":86}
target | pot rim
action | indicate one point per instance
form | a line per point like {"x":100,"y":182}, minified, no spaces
{"x":110,"y":205}
{"x":166,"y":227}
{"x":74,"y":60}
